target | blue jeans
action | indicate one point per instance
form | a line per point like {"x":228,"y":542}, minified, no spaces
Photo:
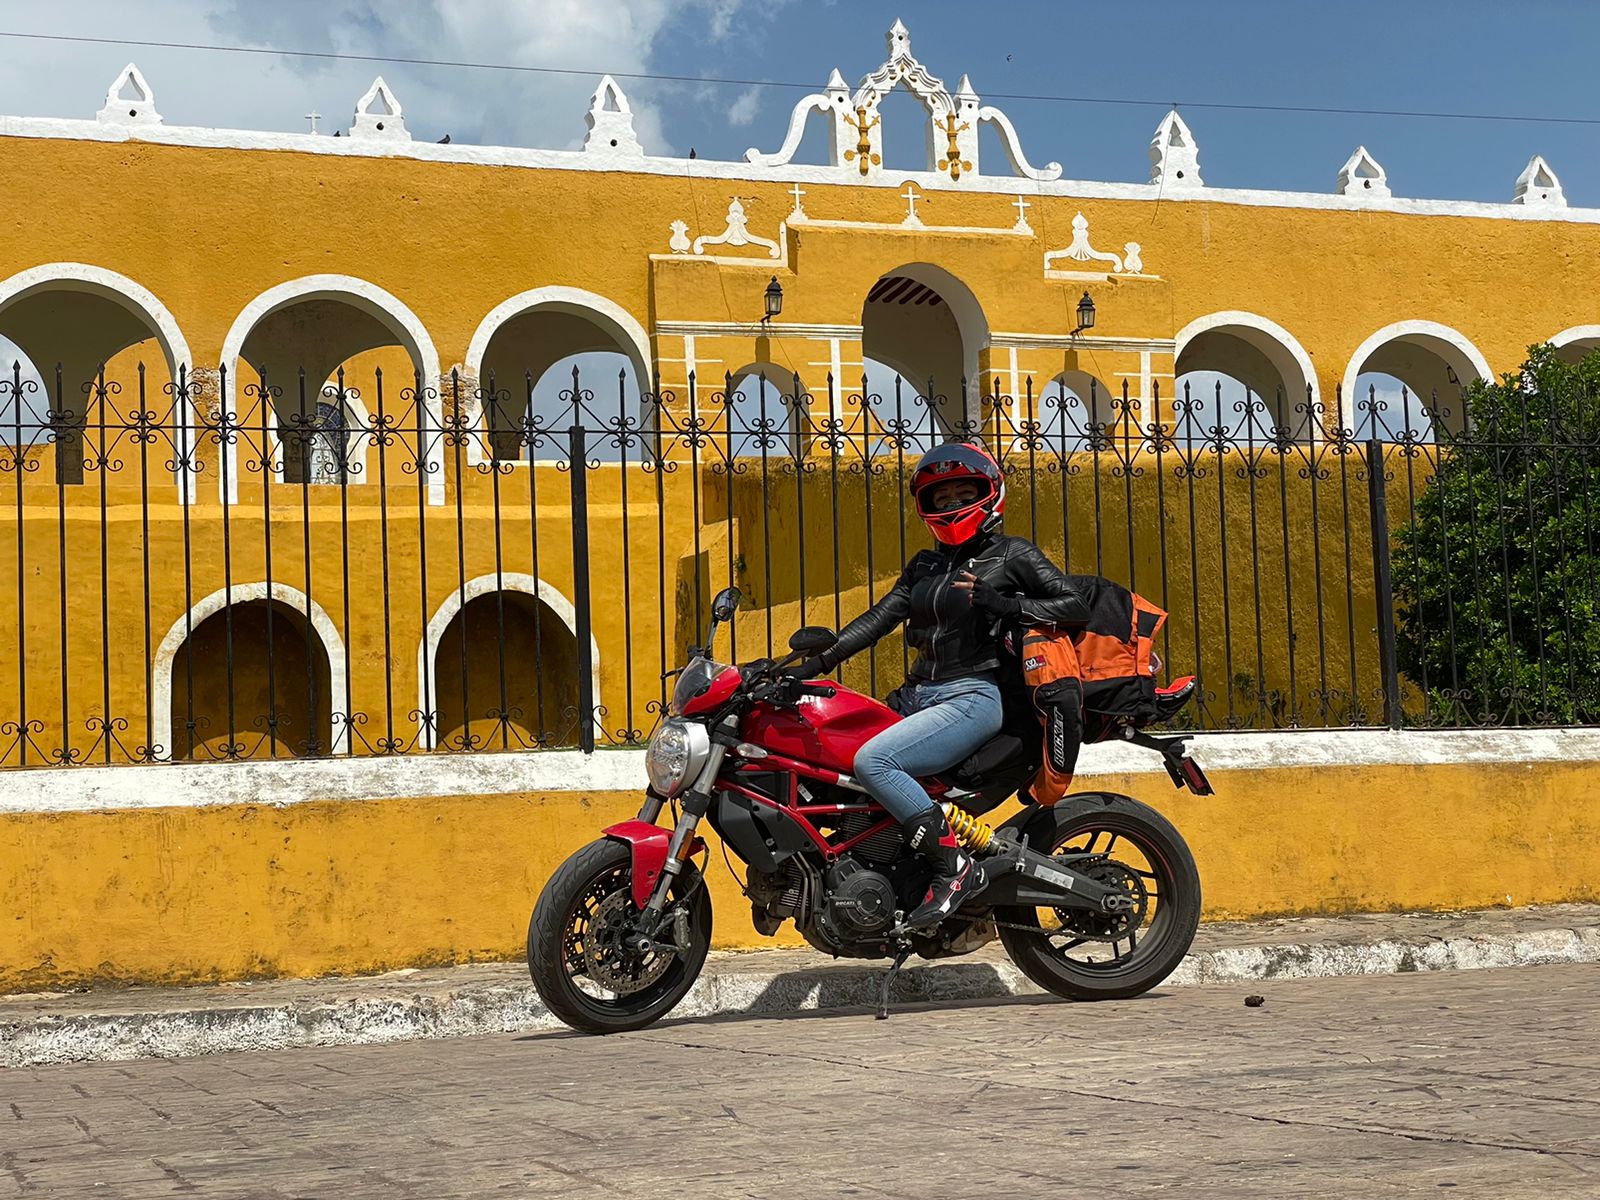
{"x":943,"y":723}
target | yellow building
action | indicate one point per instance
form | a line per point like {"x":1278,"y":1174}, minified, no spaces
{"x":307,"y":507}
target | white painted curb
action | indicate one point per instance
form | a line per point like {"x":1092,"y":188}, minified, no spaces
{"x":509,"y":1008}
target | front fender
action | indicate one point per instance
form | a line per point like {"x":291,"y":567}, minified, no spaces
{"x":648,"y":844}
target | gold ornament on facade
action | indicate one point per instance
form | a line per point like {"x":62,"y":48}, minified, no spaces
{"x":953,"y":162}
{"x":862,"y":154}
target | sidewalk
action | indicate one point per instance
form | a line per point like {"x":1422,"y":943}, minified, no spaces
{"x":124,"y":1024}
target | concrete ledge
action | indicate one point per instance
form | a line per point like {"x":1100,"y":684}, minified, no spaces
{"x":496,"y":998}
{"x":297,"y":781}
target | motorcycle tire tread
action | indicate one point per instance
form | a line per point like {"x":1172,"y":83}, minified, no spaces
{"x":546,"y":930}
{"x":1023,"y":943}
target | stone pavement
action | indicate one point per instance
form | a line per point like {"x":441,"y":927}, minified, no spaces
{"x":133,"y":1023}
{"x":1475,"y":1083}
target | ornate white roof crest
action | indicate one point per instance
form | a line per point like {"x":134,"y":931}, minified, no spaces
{"x":379,"y":115}
{"x":1174,"y":155}
{"x":129,"y":100}
{"x":610,"y":122}
{"x":1362,"y":176}
{"x":855,"y":132}
{"x":1538,"y":186}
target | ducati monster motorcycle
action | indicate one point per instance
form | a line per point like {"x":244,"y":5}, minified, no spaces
{"x":1093,"y":898}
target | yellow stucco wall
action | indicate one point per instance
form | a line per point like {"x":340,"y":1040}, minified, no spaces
{"x":240,"y":891}
{"x":208,"y":229}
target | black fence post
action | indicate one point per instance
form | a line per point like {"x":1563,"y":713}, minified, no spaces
{"x":1383,"y":582}
{"x":578,"y":472}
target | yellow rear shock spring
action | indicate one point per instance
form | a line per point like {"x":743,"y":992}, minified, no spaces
{"x":975,"y":835}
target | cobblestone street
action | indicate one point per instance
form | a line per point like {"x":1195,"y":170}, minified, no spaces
{"x":1485,"y":1082}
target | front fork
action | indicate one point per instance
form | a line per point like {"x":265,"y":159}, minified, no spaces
{"x":695,"y":804}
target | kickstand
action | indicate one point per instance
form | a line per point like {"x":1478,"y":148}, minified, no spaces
{"x":888,"y":978}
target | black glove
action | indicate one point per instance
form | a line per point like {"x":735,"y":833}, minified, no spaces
{"x":811,"y":668}
{"x":987,"y":597}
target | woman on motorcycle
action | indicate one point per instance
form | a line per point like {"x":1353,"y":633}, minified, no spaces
{"x":956,"y":601}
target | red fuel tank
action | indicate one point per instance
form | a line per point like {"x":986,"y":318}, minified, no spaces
{"x":825,"y":731}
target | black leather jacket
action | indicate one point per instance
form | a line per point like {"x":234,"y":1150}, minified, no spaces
{"x":953,"y":636}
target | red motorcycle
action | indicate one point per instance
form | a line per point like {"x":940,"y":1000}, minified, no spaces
{"x":1094,"y":898}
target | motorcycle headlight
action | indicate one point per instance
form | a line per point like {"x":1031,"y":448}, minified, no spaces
{"x":677,"y":752}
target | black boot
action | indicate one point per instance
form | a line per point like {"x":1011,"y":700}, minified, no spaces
{"x":956,"y":874}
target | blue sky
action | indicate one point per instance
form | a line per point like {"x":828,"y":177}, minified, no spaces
{"x":1533,"y":58}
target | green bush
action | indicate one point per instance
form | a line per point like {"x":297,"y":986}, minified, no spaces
{"x":1496,"y":576}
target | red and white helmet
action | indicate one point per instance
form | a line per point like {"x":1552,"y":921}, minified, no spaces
{"x":965,"y":461}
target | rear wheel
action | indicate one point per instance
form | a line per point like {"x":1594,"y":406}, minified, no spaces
{"x":578,"y":956}
{"x":1086,"y":955}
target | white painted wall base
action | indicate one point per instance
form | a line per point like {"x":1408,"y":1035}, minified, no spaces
{"x":281,"y":782}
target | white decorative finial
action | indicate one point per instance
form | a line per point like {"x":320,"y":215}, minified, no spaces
{"x":1363,"y":177}
{"x":1174,"y":156}
{"x":679,"y":242}
{"x":610,"y":122}
{"x":1538,"y":186}
{"x":129,"y":100}
{"x":1080,"y":250}
{"x":964,"y":90}
{"x":379,"y":115}
{"x":737,"y":233}
{"x":899,"y":38}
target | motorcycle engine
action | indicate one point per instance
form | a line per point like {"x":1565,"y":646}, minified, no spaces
{"x":858,"y":903}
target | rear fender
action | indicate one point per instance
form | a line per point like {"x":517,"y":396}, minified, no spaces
{"x":1037,"y":823}
{"x":648,"y":844}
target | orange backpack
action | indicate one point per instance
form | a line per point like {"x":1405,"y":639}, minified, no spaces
{"x":1096,"y":677}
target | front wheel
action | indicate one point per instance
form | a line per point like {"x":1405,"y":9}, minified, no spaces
{"x":580,"y":964}
{"x":1084,"y":955}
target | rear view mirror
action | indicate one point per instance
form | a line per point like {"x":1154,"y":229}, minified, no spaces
{"x":813,"y":639}
{"x":725,"y":604}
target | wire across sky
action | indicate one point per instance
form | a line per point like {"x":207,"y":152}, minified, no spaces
{"x":1524,"y":118}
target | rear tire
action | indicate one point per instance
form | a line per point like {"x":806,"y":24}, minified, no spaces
{"x":601,"y":874}
{"x":1158,"y":948}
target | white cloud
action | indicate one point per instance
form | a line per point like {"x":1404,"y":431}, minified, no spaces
{"x":745,"y":107}
{"x":270,"y":92}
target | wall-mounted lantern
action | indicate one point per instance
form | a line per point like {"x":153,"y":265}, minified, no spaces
{"x":1085,"y":314}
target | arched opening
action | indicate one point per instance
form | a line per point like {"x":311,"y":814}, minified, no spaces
{"x":1574,"y":344}
{"x":305,"y":360}
{"x":1243,"y":377}
{"x":524,"y":355}
{"x":81,"y":318}
{"x":1076,"y":411}
{"x":249,"y":680}
{"x":764,"y":415}
{"x":500,"y":668}
{"x":921,"y":332}
{"x":1408,"y":378}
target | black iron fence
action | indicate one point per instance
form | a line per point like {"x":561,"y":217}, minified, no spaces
{"x":209,"y":571}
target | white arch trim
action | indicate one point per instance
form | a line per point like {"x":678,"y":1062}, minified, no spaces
{"x":375,"y":302}
{"x":969,"y":317}
{"x":1289,"y":350}
{"x":607,"y":314}
{"x":1466,"y":354}
{"x":484,"y":585}
{"x":136,"y":299}
{"x":1576,"y":333}
{"x":161,"y":669}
